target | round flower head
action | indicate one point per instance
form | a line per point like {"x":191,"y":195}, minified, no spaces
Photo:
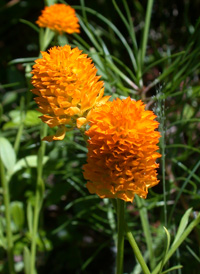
{"x":67,"y":87}
{"x":60,"y":18}
{"x":122,"y":150}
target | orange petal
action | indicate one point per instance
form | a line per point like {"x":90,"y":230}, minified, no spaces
{"x":60,"y":135}
{"x":80,"y":122}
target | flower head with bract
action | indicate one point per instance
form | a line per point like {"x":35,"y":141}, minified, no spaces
{"x":122,"y":150}
{"x":60,"y":18}
{"x":67,"y":87}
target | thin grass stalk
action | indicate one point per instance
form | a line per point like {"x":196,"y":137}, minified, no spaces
{"x":9,"y":236}
{"x":163,"y":173}
{"x":146,"y":230}
{"x":162,"y":147}
{"x":120,"y":235}
{"x":38,"y":198}
{"x":146,"y":30}
{"x":128,"y":23}
{"x":161,"y":115}
{"x":131,"y":29}
{"x":191,"y":173}
{"x":116,"y":31}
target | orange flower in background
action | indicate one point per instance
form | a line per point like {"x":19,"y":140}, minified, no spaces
{"x":122,"y":150}
{"x":67,"y":87}
{"x":60,"y":18}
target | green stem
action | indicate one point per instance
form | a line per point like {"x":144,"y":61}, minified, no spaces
{"x":174,"y":246}
{"x":136,"y":250}
{"x":133,"y":244}
{"x":6,"y":198}
{"x":38,"y":198}
{"x":120,"y":239}
{"x":162,"y":145}
{"x":146,"y":230}
{"x":21,"y":127}
{"x":146,"y":30}
{"x":45,"y":38}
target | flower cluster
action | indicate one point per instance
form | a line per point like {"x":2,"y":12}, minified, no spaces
{"x":123,"y":136}
{"x":60,"y":18}
{"x":67,"y":87}
{"x":121,"y":150}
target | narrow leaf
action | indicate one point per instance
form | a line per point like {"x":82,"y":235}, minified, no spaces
{"x":7,"y":154}
{"x":17,"y":213}
{"x":183,"y":224}
{"x":29,"y":161}
{"x":26,"y":22}
{"x":172,"y":268}
{"x":30,"y":217}
{"x":166,"y":249}
{"x":27,"y":260}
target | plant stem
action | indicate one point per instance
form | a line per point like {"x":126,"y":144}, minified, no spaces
{"x":38,"y":198}
{"x":21,"y":127}
{"x":136,"y":250}
{"x":146,"y":230}
{"x":161,"y":113}
{"x":120,"y":239}
{"x":146,"y":30}
{"x":133,"y":244}
{"x":6,"y":198}
{"x":162,"y":145}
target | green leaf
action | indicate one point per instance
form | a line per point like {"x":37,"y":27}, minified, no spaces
{"x":172,"y":268}
{"x":31,"y":118}
{"x":193,"y":253}
{"x":7,"y":154}
{"x":113,"y":27}
{"x":10,"y":125}
{"x":79,"y":200}
{"x":181,"y":239}
{"x":29,"y":161}
{"x":22,"y":60}
{"x":30,"y":216}
{"x":27,"y":259}
{"x":15,"y":116}
{"x":166,"y":249}
{"x":9,"y":97}
{"x":188,"y":111}
{"x":3,"y":242}
{"x":183,"y":224}
{"x":50,"y":2}
{"x":62,"y":40}
{"x":26,"y":22}
{"x":40,"y":189}
{"x":17,"y":213}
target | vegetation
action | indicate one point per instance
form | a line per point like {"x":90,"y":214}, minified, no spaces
{"x":148,"y":50}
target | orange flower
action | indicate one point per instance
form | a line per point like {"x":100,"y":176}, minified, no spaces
{"x":122,"y":150}
{"x":67,"y":87}
{"x":60,"y":18}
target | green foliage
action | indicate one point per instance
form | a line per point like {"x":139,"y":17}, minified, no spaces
{"x":154,"y":60}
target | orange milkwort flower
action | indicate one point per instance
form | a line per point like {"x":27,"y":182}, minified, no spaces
{"x":67,"y":87}
{"x":60,"y":18}
{"x":122,"y":150}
